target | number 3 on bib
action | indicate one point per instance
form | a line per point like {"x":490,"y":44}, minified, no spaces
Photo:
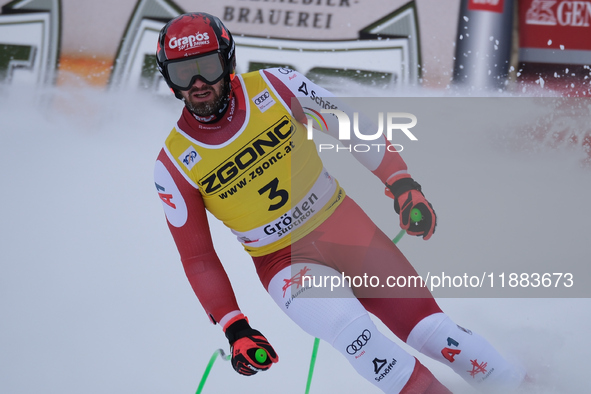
{"x":274,"y":192}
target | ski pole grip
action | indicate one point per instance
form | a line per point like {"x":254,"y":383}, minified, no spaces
{"x":416,"y":215}
{"x":260,"y":355}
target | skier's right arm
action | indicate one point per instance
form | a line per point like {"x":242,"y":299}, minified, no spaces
{"x":187,"y":221}
{"x":188,"y":224}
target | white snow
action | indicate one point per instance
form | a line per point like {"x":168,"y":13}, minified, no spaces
{"x":93,"y":298}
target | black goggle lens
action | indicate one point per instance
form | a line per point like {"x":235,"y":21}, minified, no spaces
{"x":183,"y":73}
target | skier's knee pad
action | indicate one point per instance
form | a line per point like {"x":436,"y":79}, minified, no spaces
{"x":466,"y":352}
{"x":310,"y":307}
{"x":344,"y":323}
{"x":374,"y":356}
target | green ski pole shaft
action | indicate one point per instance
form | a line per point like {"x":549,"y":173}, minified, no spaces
{"x":399,"y":236}
{"x":312,"y":363}
{"x":208,"y":368}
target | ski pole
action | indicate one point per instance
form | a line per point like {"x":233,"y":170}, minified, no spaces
{"x":398,"y":236}
{"x":416,"y":216}
{"x":312,"y":363}
{"x":209,"y":365}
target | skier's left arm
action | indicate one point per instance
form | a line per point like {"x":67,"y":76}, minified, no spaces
{"x":385,"y":163}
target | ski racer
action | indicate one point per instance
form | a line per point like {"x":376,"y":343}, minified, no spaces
{"x":240,"y":151}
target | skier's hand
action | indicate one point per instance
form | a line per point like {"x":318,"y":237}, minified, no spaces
{"x":251,"y":352}
{"x":407,"y":196}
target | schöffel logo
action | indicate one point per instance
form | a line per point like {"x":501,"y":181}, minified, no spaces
{"x":263,"y":100}
{"x":379,"y":365}
{"x":360,"y":342}
{"x":188,"y":42}
{"x":189,"y":157}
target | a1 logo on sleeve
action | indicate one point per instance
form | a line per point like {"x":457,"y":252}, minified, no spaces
{"x":263,"y":100}
{"x":173,"y":202}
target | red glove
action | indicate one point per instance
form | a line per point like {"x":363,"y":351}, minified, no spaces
{"x":407,"y":196}
{"x":251,"y":352}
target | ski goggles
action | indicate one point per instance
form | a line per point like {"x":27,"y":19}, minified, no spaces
{"x":182,"y":73}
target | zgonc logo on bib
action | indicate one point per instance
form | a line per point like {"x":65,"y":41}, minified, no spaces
{"x":189,"y":42}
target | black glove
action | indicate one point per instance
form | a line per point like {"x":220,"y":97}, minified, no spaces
{"x":251,"y":352}
{"x":408,"y":196}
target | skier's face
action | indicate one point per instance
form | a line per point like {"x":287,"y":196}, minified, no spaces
{"x":203,"y":99}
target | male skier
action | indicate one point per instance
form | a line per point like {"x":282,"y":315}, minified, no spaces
{"x":240,"y":151}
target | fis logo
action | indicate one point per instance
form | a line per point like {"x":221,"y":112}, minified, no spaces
{"x":189,"y":157}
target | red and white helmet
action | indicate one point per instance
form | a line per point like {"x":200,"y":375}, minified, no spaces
{"x":195,"y":46}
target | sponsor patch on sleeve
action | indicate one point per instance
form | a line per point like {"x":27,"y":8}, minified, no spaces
{"x":173,"y":202}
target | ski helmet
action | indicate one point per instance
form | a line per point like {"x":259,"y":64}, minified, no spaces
{"x":195,"y":46}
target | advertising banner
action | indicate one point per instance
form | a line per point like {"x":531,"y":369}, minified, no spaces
{"x":370,"y":41}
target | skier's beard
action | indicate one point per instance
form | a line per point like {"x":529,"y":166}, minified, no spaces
{"x":213,"y":105}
